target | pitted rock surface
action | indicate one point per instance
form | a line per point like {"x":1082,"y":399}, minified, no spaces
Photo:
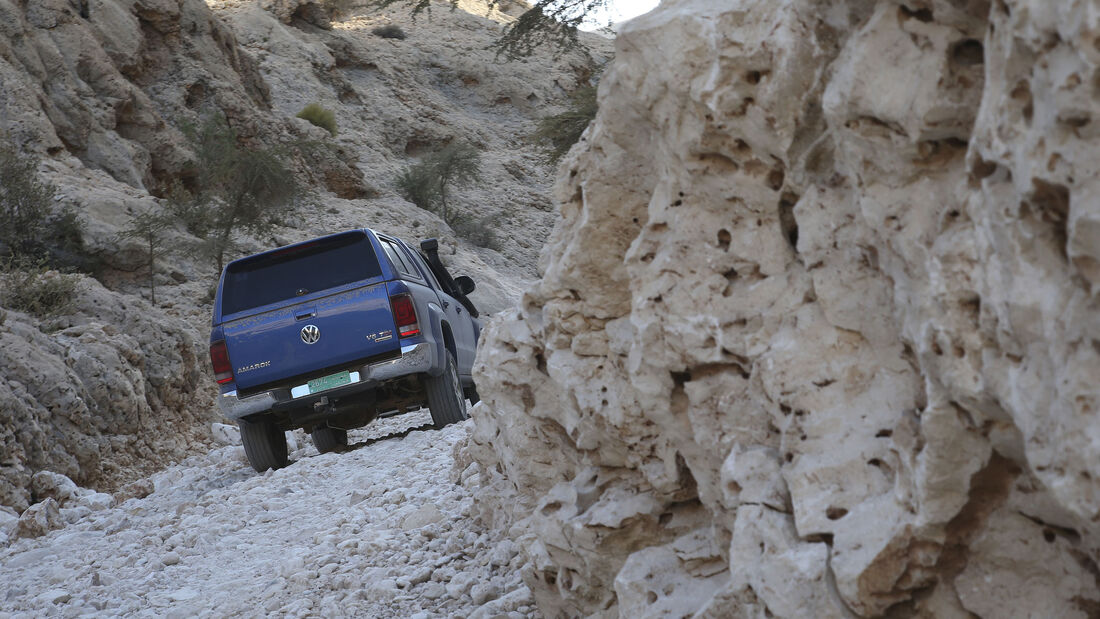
{"x":111,"y":391}
{"x":817,"y":332}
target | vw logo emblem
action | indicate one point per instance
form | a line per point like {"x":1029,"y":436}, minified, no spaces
{"x":310,"y":334}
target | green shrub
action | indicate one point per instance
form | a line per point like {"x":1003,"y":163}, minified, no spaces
{"x":320,"y":117}
{"x":389,"y":32}
{"x":67,"y":230}
{"x":481,"y":231}
{"x":558,"y":133}
{"x":31,"y":287}
{"x":426,"y":183}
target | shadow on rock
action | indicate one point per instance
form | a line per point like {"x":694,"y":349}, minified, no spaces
{"x":401,"y":434}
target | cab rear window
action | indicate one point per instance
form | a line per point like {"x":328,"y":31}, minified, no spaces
{"x":298,"y":271}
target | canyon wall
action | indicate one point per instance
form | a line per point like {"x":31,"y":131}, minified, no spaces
{"x":818,"y":331}
{"x":100,"y":92}
{"x":113,"y":388}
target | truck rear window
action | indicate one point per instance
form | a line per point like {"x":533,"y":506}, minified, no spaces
{"x":298,"y":271}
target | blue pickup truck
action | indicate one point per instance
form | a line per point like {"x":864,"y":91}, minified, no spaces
{"x":328,"y":334}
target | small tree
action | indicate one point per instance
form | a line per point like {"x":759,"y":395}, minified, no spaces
{"x":558,"y":133}
{"x":418,"y":186}
{"x":426,"y":183}
{"x":24,"y":202}
{"x":150,"y":228}
{"x":239,"y":189}
{"x":458,"y":164}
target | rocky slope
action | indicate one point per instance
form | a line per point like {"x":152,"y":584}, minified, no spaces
{"x":100,"y":90}
{"x":107,"y":393}
{"x":818,"y":333}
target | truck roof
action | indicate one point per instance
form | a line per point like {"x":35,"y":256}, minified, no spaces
{"x":285,"y":249}
{"x":259,"y":260}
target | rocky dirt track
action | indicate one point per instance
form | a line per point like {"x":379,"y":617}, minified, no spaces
{"x":381,"y":531}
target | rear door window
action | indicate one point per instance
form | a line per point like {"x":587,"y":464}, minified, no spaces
{"x":298,"y":271}
{"x":399,"y":260}
{"x":424,"y":268}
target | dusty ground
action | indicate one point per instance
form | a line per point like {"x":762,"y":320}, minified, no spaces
{"x":380,"y":531}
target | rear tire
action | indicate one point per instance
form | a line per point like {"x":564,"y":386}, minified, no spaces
{"x":327,"y":439}
{"x":445,"y":397}
{"x":264,"y":444}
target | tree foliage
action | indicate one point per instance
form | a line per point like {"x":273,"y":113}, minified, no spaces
{"x":427,"y":183}
{"x":549,"y":23}
{"x":238,"y":189}
{"x":558,"y":133}
{"x":419,"y":186}
{"x":552,"y":23}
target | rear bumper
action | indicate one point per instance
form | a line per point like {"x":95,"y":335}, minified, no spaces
{"x":414,"y":359}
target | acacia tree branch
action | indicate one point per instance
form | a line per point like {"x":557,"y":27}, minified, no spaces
{"x":549,"y":23}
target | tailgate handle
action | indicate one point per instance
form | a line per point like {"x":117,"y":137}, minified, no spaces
{"x":305,"y":315}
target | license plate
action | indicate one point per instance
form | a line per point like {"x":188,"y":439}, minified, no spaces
{"x":328,"y":382}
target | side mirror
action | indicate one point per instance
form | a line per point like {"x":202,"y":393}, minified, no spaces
{"x":465,"y":284}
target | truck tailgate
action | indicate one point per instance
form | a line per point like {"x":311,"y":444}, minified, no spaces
{"x":311,"y":336}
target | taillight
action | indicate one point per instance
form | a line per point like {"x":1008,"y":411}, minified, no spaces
{"x":404,"y":315}
{"x":219,"y":356}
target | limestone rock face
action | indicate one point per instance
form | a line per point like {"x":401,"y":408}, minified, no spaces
{"x":115,"y":390}
{"x":818,"y":331}
{"x":106,"y":81}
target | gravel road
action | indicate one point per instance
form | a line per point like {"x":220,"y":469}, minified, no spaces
{"x":379,"y":531}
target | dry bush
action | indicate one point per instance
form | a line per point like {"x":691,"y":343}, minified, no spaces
{"x":389,"y":32}
{"x":481,"y":231}
{"x":32,"y":287}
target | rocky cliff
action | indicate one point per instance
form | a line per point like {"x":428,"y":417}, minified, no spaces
{"x":818,"y":331}
{"x":100,"y":90}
